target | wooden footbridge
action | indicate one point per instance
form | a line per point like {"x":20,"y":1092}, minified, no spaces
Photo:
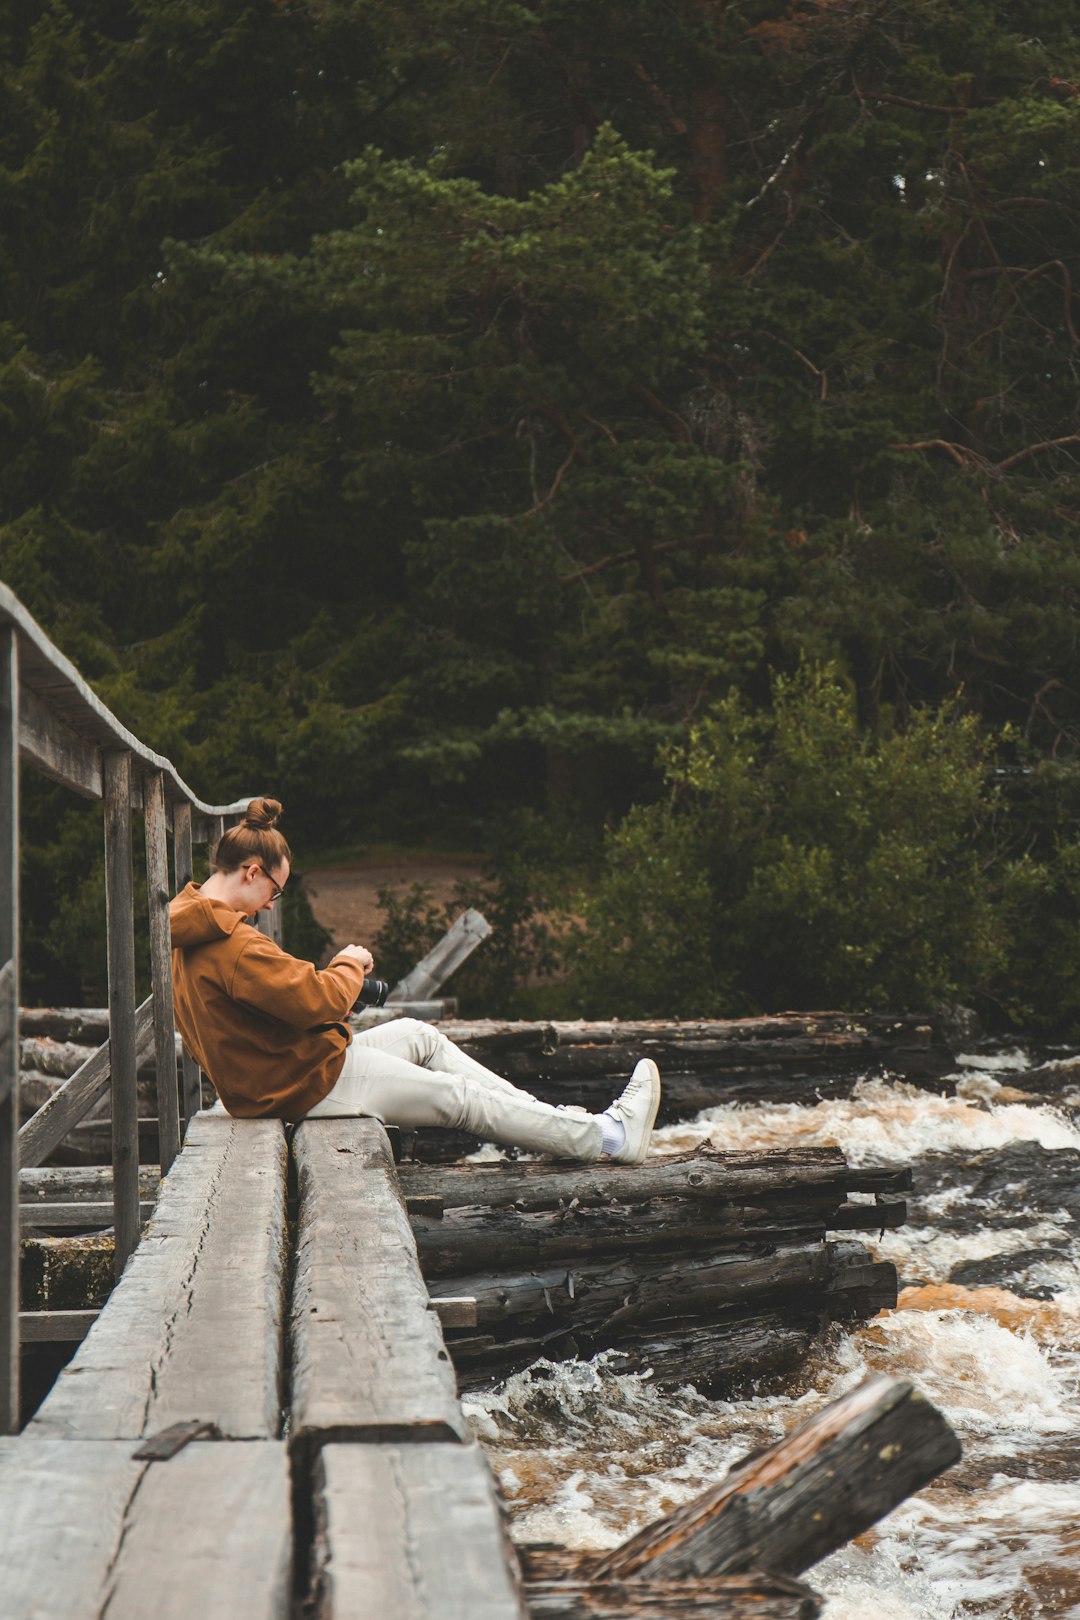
{"x":265,"y":1413}
{"x":263,"y":1421}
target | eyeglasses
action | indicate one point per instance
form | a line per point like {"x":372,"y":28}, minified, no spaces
{"x":277,"y":894}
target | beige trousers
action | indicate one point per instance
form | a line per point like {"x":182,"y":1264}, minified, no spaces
{"x":406,"y":1073}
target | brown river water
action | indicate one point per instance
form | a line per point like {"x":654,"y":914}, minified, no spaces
{"x":988,"y":1327}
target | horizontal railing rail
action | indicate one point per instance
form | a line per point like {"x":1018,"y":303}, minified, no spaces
{"x":52,"y":721}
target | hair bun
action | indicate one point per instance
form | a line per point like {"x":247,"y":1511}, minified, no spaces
{"x":262,"y":814}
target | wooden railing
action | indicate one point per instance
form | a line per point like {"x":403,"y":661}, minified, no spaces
{"x":52,"y":721}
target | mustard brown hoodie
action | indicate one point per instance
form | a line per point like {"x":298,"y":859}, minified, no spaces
{"x":270,"y":1031}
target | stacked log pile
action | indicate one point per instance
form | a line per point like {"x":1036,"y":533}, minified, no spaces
{"x":706,"y":1267}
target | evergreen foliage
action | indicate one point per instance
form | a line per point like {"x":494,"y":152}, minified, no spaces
{"x":432,"y":410}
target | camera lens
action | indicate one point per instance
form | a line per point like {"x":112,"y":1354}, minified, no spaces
{"x":374,"y":993}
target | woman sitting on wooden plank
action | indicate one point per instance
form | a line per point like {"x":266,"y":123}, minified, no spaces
{"x":272,"y":1031}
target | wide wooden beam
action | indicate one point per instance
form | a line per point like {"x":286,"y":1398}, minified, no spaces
{"x":120,"y":923}
{"x":9,"y":1032}
{"x":87,"y":1529}
{"x":193,"y":1329}
{"x":411,"y":1533}
{"x":369,"y":1361}
{"x":157,"y":895}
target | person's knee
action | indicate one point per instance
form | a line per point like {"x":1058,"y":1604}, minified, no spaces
{"x":421,"y":1038}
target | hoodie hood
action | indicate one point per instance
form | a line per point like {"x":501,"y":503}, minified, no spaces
{"x":194,"y":919}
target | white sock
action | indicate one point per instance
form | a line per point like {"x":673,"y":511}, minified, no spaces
{"x":614,"y":1133}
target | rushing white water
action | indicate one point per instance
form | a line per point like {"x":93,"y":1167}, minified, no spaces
{"x":585,"y":1456}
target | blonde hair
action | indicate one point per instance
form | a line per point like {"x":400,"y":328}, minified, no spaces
{"x":255,"y":838}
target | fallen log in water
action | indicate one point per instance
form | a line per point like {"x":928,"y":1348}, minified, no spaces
{"x":782,"y":1509}
{"x":723,"y":1597}
{"x":790,"y":1506}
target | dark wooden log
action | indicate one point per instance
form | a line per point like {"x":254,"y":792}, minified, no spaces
{"x":9,"y":1031}
{"x":699,"y":1176}
{"x":723,"y":1355}
{"x":508,"y":1241}
{"x":157,"y":895}
{"x":793,"y":1504}
{"x":722,"y":1597}
{"x":603,"y":1296}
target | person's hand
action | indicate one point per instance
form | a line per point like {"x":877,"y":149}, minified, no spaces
{"x":359,"y":953}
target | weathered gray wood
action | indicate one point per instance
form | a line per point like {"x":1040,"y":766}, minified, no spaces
{"x":88,"y":1026}
{"x":52,"y":1122}
{"x":785,"y":1508}
{"x":59,"y":1059}
{"x":214,"y":827}
{"x":603,"y":1295}
{"x":86,"y":1531}
{"x":368,"y":1356}
{"x":120,"y":924}
{"x":78,"y":1217}
{"x":45,"y":674}
{"x":457,"y":944}
{"x":702,"y":1176}
{"x":74,"y":1184}
{"x":718,"y":1597}
{"x":718,"y":1355}
{"x":194,"y":1327}
{"x":508,"y":1241}
{"x":183,"y":856}
{"x":157,"y":897}
{"x":9,"y":1032}
{"x":48,"y":743}
{"x":412,"y":1533}
{"x":55,"y":1327}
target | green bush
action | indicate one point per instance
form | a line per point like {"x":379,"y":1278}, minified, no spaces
{"x":800,"y":862}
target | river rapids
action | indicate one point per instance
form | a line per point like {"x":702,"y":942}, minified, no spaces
{"x":988,"y":1326}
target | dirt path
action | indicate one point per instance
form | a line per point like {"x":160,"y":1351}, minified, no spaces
{"x":343,"y":898}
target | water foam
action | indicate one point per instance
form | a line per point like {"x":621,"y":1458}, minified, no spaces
{"x":886,"y":1121}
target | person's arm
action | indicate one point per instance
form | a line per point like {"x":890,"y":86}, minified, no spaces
{"x":269,"y":980}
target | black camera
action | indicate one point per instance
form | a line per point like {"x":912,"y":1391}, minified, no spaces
{"x":373,"y":994}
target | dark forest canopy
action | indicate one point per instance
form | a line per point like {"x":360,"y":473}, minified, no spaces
{"x":437,"y":408}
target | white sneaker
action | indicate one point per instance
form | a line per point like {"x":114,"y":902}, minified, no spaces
{"x":636,"y":1110}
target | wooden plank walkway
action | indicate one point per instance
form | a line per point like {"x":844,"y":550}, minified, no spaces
{"x":359,"y":1498}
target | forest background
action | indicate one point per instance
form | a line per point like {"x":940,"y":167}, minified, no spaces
{"x":636,"y":439}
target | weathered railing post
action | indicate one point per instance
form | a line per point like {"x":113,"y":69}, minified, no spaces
{"x":9,"y":1031}
{"x":183,"y":859}
{"x":215,"y":826}
{"x":120,"y":922}
{"x":157,"y":897}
